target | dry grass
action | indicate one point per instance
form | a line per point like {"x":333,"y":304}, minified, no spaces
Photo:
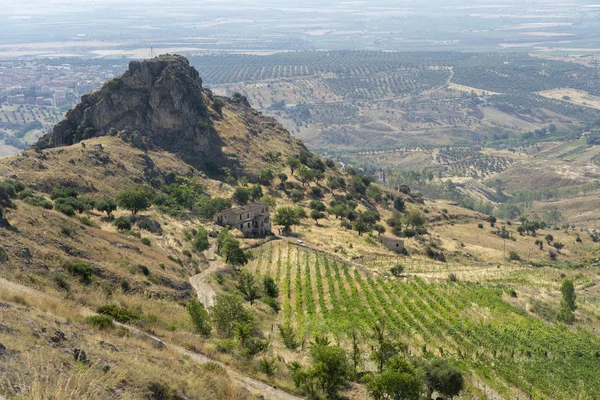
{"x":574,"y":96}
{"x":122,"y":365}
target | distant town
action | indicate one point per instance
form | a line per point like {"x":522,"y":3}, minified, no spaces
{"x":34,"y":82}
{"x":35,"y":95}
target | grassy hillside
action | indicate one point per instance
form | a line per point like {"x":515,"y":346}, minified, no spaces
{"x":318,"y":308}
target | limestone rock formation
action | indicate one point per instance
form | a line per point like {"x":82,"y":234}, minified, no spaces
{"x":160,"y":103}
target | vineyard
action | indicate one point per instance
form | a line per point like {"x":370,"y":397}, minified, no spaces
{"x":508,"y":353}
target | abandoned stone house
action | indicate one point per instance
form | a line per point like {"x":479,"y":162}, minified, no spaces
{"x":393,"y":244}
{"x":252,"y":219}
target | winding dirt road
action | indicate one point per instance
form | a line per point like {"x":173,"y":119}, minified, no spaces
{"x":206,"y":294}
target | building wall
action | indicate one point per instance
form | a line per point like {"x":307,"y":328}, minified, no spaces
{"x":392,"y":244}
{"x":251,"y":222}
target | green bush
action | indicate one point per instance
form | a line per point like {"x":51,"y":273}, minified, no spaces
{"x":39,"y":201}
{"x":207,"y":207}
{"x":82,"y":270}
{"x":122,"y":223}
{"x":25,"y":194}
{"x":297,"y":195}
{"x":199,"y":317}
{"x":100,"y":321}
{"x":200,"y":242}
{"x":125,"y":286}
{"x":64,"y":192}
{"x":408,"y":232}
{"x":76,"y":204}
{"x":61,"y":282}
{"x":273,"y":303}
{"x":146,"y":241}
{"x":513,"y":256}
{"x":66,"y":209}
{"x":119,"y":313}
{"x":87,"y":222}
{"x":241,"y":196}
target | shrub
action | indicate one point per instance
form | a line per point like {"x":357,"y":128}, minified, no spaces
{"x":200,"y":242}
{"x":207,"y":207}
{"x":144,"y":270}
{"x":297,"y":195}
{"x":82,"y":270}
{"x":288,"y":336}
{"x":61,"y":282}
{"x":254,"y":346}
{"x":397,"y":270}
{"x":100,"y":321}
{"x":513,"y":256}
{"x":255,"y":192}
{"x":218,"y":105}
{"x":227,"y":311}
{"x":87,"y":221}
{"x":266,"y":177}
{"x":199,"y":317}
{"x":122,"y":223}
{"x":74,"y":203}
{"x":480,"y":226}
{"x":270,"y":287}
{"x":37,"y":201}
{"x":66,"y":209}
{"x":146,"y":241}
{"x":452,"y":277}
{"x":119,"y":313}
{"x":273,"y":303}
{"x":63,"y":192}
{"x":125,"y":286}
{"x":267,"y":366}
{"x":316,"y":192}
{"x":408,"y":232}
{"x":241,"y":196}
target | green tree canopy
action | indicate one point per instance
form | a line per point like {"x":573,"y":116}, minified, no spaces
{"x":200,"y":242}
{"x":199,"y":317}
{"x":135,"y":199}
{"x":444,"y":378}
{"x":228,"y":310}
{"x":286,"y":217}
{"x":400,"y":381}
{"x":248,"y":286}
{"x":107,"y":204}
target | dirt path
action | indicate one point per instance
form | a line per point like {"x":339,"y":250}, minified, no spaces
{"x":253,"y":385}
{"x":206,"y":294}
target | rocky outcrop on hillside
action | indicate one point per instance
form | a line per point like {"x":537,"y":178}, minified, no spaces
{"x":160,"y":104}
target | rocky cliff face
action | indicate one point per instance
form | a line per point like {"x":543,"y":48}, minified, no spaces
{"x":160,"y":104}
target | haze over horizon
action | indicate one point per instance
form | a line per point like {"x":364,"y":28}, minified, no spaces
{"x":109,"y":28}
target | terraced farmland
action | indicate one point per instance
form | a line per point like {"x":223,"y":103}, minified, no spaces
{"x":509,"y":353}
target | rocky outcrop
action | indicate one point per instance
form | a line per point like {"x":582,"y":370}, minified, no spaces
{"x":160,"y":104}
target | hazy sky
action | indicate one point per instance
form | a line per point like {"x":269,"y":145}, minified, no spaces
{"x":304,"y":24}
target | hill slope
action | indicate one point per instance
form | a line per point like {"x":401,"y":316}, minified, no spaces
{"x":457,"y":296}
{"x":160,"y":103}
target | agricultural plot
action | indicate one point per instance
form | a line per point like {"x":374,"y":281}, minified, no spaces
{"x":24,"y":124}
{"x":509,"y":353}
{"x":348,"y":100}
{"x":464,"y":162}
